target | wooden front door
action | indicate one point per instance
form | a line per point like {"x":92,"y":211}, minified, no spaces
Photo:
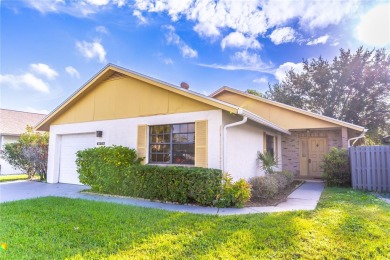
{"x":317,"y":149}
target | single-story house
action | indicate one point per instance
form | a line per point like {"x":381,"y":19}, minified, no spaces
{"x":311,"y":135}
{"x":12,"y":125}
{"x":171,"y":125}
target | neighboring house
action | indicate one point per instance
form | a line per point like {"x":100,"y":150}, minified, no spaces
{"x":169,"y":125}
{"x":12,"y":125}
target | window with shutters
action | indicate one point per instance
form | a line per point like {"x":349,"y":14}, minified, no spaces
{"x":172,"y":144}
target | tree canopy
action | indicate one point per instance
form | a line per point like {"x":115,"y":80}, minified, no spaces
{"x":354,"y":87}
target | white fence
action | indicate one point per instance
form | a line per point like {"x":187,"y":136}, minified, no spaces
{"x":370,"y":167}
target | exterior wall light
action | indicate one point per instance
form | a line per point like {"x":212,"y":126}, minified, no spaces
{"x":99,"y":133}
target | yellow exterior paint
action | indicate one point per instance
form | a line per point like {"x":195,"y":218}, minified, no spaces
{"x":141,"y":141}
{"x":118,"y":93}
{"x":280,"y":116}
{"x":127,"y":98}
{"x":201,"y":143}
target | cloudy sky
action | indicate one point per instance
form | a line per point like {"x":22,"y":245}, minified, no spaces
{"x":49,"y":48}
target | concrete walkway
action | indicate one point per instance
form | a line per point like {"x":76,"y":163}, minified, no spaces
{"x":305,"y":197}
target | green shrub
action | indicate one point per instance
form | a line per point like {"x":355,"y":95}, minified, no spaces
{"x":172,"y":183}
{"x":283,"y":178}
{"x":102,"y":167}
{"x":265,"y":187}
{"x":117,"y":170}
{"x":233,"y":194}
{"x":336,"y":167}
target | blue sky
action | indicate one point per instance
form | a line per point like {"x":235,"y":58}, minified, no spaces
{"x":49,"y":48}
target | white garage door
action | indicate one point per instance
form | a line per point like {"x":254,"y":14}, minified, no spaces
{"x":70,"y":144}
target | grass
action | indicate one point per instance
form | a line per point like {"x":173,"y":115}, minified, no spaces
{"x":13,"y":177}
{"x":347,"y":224}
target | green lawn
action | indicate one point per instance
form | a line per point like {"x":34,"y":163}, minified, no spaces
{"x":13,"y":177}
{"x":346,"y":225}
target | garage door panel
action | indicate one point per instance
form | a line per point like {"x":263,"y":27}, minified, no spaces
{"x":70,"y":144}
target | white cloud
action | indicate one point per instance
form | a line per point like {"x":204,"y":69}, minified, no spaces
{"x":80,"y":8}
{"x":37,"y":111}
{"x":261,"y":80}
{"x":27,"y":79}
{"x":43,"y":69}
{"x":140,"y":17}
{"x":310,"y":14}
{"x":280,"y":73}
{"x":206,"y":30}
{"x":168,"y":61}
{"x":253,"y":18}
{"x":72,"y":72}
{"x":374,"y":26}
{"x":101,"y":29}
{"x":92,"y":50}
{"x":173,"y":7}
{"x":173,"y":38}
{"x":188,"y":52}
{"x":120,"y":3}
{"x":97,"y":2}
{"x":243,"y":60}
{"x":320,"y":40}
{"x":47,"y":6}
{"x":236,"y":39}
{"x":283,"y":35}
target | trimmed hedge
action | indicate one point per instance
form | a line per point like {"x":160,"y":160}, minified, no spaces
{"x":92,"y":163}
{"x":116,"y":170}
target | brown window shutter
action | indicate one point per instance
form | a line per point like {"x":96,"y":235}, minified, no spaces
{"x":201,"y":141}
{"x":264,"y":142}
{"x":141,"y":141}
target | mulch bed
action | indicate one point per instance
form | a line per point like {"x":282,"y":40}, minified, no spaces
{"x":278,"y":198}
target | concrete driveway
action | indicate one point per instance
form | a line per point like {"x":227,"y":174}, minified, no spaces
{"x":19,"y":190}
{"x":305,"y":197}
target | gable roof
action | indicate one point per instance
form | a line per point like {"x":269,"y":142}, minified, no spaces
{"x":291,"y":108}
{"x":14,"y":122}
{"x":111,"y":70}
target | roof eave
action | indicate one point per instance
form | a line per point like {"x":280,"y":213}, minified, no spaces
{"x":44,"y":124}
{"x":298,"y":110}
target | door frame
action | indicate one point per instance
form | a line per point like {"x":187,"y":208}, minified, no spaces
{"x":304,"y":154}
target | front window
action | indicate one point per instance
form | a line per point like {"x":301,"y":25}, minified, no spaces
{"x":270,"y":144}
{"x":172,"y":144}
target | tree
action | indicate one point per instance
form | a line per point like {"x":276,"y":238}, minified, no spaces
{"x":354,"y":87}
{"x":29,"y":153}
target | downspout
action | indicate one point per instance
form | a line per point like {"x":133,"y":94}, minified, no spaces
{"x":243,"y":121}
{"x":356,"y":138}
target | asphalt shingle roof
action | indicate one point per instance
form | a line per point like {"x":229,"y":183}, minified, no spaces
{"x":14,"y":122}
